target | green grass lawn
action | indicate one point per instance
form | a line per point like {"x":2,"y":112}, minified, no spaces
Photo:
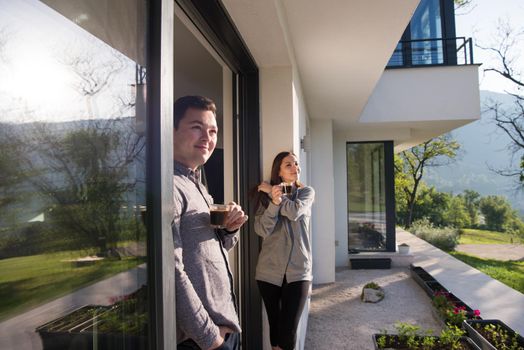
{"x":28,"y":281}
{"x":511,"y":273}
{"x":471,"y":236}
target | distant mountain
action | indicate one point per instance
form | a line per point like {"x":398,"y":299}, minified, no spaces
{"x":484,"y":147}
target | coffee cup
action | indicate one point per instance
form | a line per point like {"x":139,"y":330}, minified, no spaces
{"x":287,"y":187}
{"x":218,"y":214}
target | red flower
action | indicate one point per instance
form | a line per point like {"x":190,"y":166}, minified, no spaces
{"x":476,"y":313}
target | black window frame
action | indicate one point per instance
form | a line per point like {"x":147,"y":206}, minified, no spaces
{"x":213,"y":21}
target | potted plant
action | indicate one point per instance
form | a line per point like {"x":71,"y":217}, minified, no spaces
{"x":412,"y":337}
{"x":403,"y":249}
{"x":493,"y":335}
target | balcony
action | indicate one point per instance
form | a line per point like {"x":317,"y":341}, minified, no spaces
{"x":432,"y":52}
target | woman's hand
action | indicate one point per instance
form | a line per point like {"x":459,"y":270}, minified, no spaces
{"x":276,"y":194}
{"x":264,"y":187}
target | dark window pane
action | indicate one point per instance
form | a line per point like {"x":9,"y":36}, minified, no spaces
{"x":72,"y":175}
{"x":366,"y":196}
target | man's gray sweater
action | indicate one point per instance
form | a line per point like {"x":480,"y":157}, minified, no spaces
{"x":204,"y":296}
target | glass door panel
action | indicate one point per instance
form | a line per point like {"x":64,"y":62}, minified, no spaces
{"x":366,"y":196}
{"x":72,"y":175}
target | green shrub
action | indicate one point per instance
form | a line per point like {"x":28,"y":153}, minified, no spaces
{"x":445,"y":238}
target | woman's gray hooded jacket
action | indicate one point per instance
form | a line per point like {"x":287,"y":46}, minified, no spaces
{"x":286,"y":250}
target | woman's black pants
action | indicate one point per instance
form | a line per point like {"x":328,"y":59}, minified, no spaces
{"x":284,"y":305}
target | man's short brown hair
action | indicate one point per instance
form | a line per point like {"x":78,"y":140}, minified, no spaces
{"x":197,"y":102}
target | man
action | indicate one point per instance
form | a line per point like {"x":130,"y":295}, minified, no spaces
{"x":206,"y":315}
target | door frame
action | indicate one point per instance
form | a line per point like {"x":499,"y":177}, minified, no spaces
{"x":213,"y":21}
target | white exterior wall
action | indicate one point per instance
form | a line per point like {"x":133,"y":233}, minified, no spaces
{"x":424,"y":94}
{"x":276,"y":114}
{"x":284,"y":121}
{"x":341,"y":207}
{"x":322,"y":180}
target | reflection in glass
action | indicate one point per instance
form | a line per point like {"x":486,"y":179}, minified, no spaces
{"x":397,"y":59}
{"x":426,"y":24}
{"x":72,"y":178}
{"x":366,"y":196}
{"x":422,"y":42}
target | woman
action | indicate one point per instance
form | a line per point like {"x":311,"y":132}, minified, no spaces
{"x":284,"y":267}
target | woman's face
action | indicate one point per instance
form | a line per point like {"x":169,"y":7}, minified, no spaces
{"x":289,"y":169}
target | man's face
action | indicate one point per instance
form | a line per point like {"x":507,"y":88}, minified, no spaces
{"x":195,"y":139}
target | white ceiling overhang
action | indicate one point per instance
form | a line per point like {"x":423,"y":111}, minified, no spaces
{"x":340,"y":47}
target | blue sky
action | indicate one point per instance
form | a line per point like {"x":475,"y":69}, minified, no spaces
{"x":480,"y":22}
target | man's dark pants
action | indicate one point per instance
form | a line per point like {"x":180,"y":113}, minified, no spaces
{"x":232,"y":342}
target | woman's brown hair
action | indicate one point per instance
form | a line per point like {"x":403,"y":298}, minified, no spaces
{"x":261,"y":198}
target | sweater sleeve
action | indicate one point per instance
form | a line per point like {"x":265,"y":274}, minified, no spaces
{"x":266,"y":219}
{"x":294,"y":209}
{"x":191,"y":316}
{"x":229,"y":239}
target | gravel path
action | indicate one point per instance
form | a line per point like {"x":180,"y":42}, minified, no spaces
{"x":339,"y":320}
{"x":494,"y":251}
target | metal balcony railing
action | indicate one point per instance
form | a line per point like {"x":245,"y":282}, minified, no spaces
{"x":427,"y":52}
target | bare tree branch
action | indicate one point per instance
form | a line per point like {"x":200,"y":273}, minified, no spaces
{"x":465,"y":7}
{"x":509,"y":119}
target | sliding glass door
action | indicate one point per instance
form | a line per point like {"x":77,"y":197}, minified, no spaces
{"x":369,"y":174}
{"x":72,"y":175}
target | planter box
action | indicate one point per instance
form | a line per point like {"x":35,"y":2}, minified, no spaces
{"x":420,"y":273}
{"x":466,"y":342}
{"x":370,"y":263}
{"x":79,"y":330}
{"x":470,"y":313}
{"x":421,"y":277}
{"x":432,"y":287}
{"x":482,"y":340}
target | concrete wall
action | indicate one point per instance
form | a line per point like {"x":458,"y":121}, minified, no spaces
{"x":323,"y":180}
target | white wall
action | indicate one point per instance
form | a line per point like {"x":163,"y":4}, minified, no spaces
{"x":301,"y":124}
{"x":323,"y":219}
{"x":341,"y":208}
{"x":284,"y":121}
{"x":276,"y":114}
{"x":424,"y":94}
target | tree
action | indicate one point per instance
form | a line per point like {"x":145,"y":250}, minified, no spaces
{"x":511,"y":121}
{"x":12,"y":171}
{"x":84,"y":169}
{"x":463,"y":5}
{"x":471,"y":202}
{"x":435,"y":152}
{"x":457,"y":214}
{"x":432,"y":205}
{"x":85,"y":173}
{"x":497,"y":212}
{"x":402,"y":181}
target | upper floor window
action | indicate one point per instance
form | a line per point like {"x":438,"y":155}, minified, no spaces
{"x":430,"y":38}
{"x":426,"y":22}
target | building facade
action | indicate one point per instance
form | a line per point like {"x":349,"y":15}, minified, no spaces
{"x":86,"y":104}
